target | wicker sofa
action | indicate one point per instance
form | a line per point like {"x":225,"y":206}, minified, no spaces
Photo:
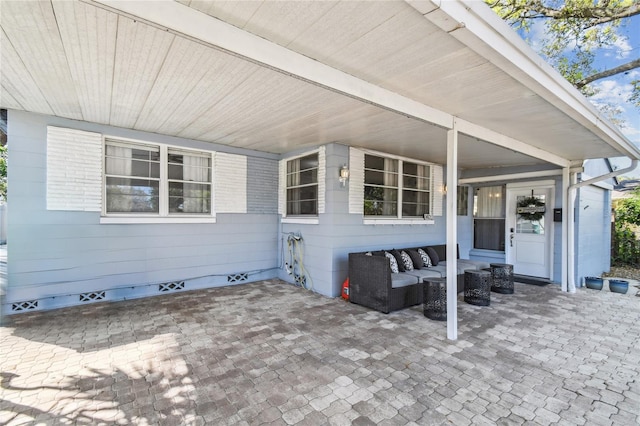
{"x":372,"y":284}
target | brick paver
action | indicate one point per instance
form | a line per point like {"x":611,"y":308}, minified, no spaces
{"x":272,"y":353}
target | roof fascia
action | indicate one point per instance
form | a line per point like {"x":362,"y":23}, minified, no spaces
{"x":474,"y":24}
{"x":199,"y":27}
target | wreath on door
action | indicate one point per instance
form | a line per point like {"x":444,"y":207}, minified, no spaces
{"x":531,"y":208}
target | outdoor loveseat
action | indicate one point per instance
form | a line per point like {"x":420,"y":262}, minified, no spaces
{"x":373,"y":284}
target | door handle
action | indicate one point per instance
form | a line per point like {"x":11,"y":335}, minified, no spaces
{"x":511,"y":240}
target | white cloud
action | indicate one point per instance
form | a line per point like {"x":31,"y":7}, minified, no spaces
{"x":616,"y":92}
{"x":613,"y":92}
{"x":621,"y":48}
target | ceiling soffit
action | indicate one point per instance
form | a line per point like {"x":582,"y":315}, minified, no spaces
{"x":133,"y":75}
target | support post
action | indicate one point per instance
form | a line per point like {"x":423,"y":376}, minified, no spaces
{"x":452,"y":233}
{"x":571,"y":227}
{"x":566,"y":217}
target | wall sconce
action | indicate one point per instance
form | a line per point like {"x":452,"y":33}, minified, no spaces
{"x":344,"y":175}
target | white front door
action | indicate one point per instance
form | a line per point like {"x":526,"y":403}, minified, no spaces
{"x":529,"y":229}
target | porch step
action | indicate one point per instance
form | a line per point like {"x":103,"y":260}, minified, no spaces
{"x":526,"y":279}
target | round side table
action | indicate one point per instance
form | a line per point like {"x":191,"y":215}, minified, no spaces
{"x":435,"y":298}
{"x":502,"y":278}
{"x":477,"y":287}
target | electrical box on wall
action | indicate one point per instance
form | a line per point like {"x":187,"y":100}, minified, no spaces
{"x":557,"y":215}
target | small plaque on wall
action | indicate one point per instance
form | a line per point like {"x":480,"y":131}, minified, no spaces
{"x":557,"y":215}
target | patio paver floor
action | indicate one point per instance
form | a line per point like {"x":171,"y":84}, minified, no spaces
{"x":272,"y":353}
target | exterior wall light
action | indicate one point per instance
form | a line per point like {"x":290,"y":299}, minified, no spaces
{"x":344,"y":175}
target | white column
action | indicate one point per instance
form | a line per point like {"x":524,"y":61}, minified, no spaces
{"x":452,"y":233}
{"x":567,"y":215}
{"x":571,"y":226}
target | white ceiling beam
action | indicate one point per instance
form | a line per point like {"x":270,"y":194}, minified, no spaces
{"x":187,"y":22}
{"x":507,"y":142}
{"x":475,"y":25}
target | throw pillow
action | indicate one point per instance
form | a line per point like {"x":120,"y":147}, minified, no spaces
{"x":393,"y":262}
{"x":406,"y":259}
{"x":433,"y":256}
{"x":418,"y":263}
{"x":426,"y":260}
{"x":399,"y":261}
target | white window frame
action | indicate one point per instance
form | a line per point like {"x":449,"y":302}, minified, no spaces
{"x":316,"y":184}
{"x":163,"y":216}
{"x":427,"y":219}
{"x":282,"y":189}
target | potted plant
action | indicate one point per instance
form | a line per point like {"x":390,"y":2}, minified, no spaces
{"x":594,"y":283}
{"x":619,"y":286}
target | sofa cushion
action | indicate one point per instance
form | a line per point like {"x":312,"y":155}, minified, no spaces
{"x":426,"y":260}
{"x":418,"y":263}
{"x":433,"y":256}
{"x":406,"y":260}
{"x":403,"y":280}
{"x":392,"y":262}
{"x":426,"y":273}
{"x":440,"y":268}
{"x":399,"y":261}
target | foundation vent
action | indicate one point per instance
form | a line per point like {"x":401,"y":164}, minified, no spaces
{"x":92,"y":296}
{"x":29,"y":305}
{"x":174,"y":286}
{"x":237,"y":278}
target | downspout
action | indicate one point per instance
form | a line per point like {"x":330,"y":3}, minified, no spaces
{"x":571,"y":198}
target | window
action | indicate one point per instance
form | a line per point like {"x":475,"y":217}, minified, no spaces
{"x":396,"y":188}
{"x":302,"y":186}
{"x":189,"y":182}
{"x":156,"y":180}
{"x":489,"y":218}
{"x":463,"y":200}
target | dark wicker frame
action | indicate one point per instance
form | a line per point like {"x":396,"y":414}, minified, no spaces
{"x":370,"y":283}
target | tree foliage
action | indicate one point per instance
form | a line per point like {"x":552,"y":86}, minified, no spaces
{"x":626,"y":246}
{"x":628,"y":210}
{"x":574,"y":31}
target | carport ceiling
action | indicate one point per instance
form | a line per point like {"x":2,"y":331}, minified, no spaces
{"x":84,"y":61}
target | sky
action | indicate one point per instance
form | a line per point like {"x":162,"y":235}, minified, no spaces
{"x":614,"y":90}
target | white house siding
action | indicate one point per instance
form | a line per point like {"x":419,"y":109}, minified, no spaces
{"x":55,"y":255}
{"x":593,"y":232}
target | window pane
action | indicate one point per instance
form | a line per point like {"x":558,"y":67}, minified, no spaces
{"x":489,"y":202}
{"x":380,"y":163}
{"x":488,"y":234}
{"x":380,"y":201}
{"x":463,"y":200}
{"x":191,"y":168}
{"x":416,"y":176}
{"x":189,"y":197}
{"x":303,"y":178}
{"x":381,"y":183}
{"x":415,"y":203}
{"x":302,"y":185}
{"x":528,"y":226}
{"x":132,"y":195}
{"x":374,"y":177}
{"x":129,"y":161}
{"x":302,"y":200}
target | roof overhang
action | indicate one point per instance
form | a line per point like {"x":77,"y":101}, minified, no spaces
{"x":281,"y":76}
